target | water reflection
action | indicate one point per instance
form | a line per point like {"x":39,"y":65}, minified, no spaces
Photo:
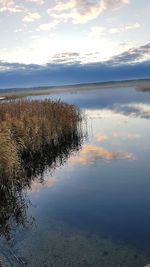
{"x":91,"y":153}
{"x":125,"y":135}
{"x":133,"y":110}
{"x":97,"y":204}
{"x":37,"y":185}
{"x":13,"y":198}
{"x":101,"y":137}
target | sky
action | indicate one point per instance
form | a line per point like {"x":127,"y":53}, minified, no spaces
{"x":64,"y":42}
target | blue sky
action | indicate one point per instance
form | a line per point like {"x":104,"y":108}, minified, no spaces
{"x":52,"y":39}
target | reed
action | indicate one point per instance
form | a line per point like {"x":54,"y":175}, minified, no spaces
{"x":34,"y":136}
{"x":28,"y":127}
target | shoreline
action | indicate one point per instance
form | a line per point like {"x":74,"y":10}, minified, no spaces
{"x":140,"y":85}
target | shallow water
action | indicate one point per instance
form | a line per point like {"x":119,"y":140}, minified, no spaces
{"x":93,"y":210}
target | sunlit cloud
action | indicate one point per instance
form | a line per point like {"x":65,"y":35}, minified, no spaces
{"x":31,"y":16}
{"x":81,"y":11}
{"x":48,"y":26}
{"x":10,"y":6}
{"x":91,"y":153}
{"x":96,"y":31}
{"x":39,"y":2}
{"x":125,"y":28}
{"x":104,"y":30}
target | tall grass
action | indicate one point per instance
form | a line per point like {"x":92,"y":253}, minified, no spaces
{"x":28,"y":127}
{"x":34,"y":135}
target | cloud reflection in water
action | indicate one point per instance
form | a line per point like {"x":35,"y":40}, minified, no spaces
{"x":133,"y":110}
{"x":91,"y":153}
{"x":36,"y":185}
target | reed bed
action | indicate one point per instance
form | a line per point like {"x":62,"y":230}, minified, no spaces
{"x":27,"y":127}
{"x":34,"y":136}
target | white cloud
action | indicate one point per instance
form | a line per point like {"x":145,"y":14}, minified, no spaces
{"x":31,"y":16}
{"x":39,"y":2}
{"x":96,"y":31}
{"x":36,"y":36}
{"x":81,"y":11}
{"x":10,"y":6}
{"x":125,"y":28}
{"x":133,"y":26}
{"x":48,"y":26}
{"x":18,"y":30}
{"x":113,"y":4}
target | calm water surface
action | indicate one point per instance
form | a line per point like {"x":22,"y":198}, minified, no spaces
{"x":93,"y":210}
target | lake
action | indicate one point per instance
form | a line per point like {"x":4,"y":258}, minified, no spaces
{"x":92,"y":208}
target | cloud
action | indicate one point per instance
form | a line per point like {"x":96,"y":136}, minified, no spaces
{"x":96,"y":31}
{"x":132,"y":55}
{"x":10,"y":6}
{"x":91,"y":153}
{"x":48,"y":26}
{"x":4,"y":66}
{"x":113,"y":4}
{"x":67,"y":68}
{"x":39,"y":2}
{"x":82,"y":11}
{"x":19,"y":30}
{"x":66,"y":58}
{"x":31,"y":16}
{"x":125,"y":28}
{"x":14,"y":75}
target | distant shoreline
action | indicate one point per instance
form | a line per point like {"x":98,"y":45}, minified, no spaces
{"x":141,"y":85}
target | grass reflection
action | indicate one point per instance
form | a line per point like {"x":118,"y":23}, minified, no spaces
{"x":34,"y":136}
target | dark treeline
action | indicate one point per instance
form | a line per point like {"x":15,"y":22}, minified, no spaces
{"x":34,"y":135}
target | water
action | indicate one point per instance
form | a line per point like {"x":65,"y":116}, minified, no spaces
{"x":92,"y":209}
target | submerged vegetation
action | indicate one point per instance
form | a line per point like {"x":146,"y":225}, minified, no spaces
{"x":34,"y":135}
